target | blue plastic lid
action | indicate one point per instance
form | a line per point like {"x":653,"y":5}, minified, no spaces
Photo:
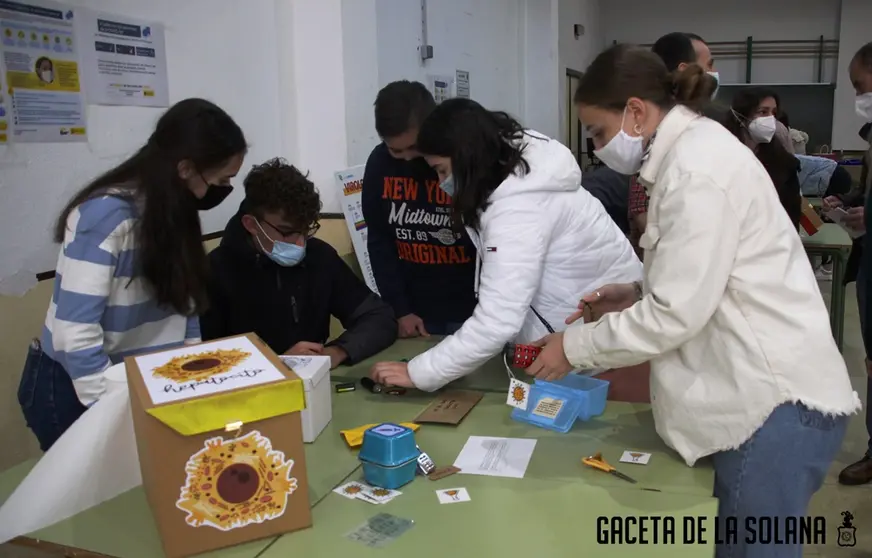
{"x":557,"y":405}
{"x":389,"y":445}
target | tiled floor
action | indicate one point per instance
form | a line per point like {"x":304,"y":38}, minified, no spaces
{"x":830,"y":501}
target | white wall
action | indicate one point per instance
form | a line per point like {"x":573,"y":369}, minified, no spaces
{"x":643,"y":21}
{"x":204,"y":61}
{"x":854,"y":32}
{"x":539,"y":64}
{"x":576,"y":53}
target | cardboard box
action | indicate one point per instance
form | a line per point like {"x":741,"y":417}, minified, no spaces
{"x":218,"y":429}
{"x":810,"y":221}
{"x":315,"y":373}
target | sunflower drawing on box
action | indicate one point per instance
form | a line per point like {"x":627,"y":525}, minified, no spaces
{"x":237,"y":482}
{"x":200,"y":366}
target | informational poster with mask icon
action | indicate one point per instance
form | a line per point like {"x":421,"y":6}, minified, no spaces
{"x":41,"y":67}
{"x":350,"y":183}
{"x":124,"y":61}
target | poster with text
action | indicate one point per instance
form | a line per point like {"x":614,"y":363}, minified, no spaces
{"x":40,"y":57}
{"x":124,"y":60}
{"x":350,"y":181}
{"x":4,"y":109}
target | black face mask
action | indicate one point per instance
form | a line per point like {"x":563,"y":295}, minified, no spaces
{"x":215,"y":194}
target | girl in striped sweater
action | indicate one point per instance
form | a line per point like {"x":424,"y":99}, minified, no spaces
{"x":131,"y":274}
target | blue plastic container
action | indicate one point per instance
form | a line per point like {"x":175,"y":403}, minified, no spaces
{"x":557,"y":405}
{"x":389,"y":456}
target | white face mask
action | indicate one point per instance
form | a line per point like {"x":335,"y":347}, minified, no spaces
{"x":762,"y":129}
{"x":717,"y":77}
{"x":46,"y":76}
{"x":863,"y":106}
{"x":624,"y":152}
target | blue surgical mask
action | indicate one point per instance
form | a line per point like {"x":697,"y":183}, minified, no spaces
{"x":447,"y":185}
{"x":283,"y":253}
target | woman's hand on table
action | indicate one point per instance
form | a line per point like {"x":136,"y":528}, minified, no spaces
{"x":856,"y":219}
{"x":395,"y":374}
{"x":551,"y":364}
{"x":831,"y":202}
{"x":609,"y":298}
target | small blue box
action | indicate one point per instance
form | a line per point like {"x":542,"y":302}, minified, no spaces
{"x":557,"y":405}
{"x":389,"y":456}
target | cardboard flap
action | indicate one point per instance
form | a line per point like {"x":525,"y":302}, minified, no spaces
{"x":197,"y":416}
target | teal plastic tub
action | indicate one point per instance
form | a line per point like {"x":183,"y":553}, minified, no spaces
{"x":557,"y":405}
{"x":389,"y":456}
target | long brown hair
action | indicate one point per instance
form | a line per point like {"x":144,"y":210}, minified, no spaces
{"x":170,"y":251}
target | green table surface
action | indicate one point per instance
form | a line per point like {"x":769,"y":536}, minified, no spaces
{"x":830,"y":236}
{"x":504,"y":517}
{"x":124,"y":527}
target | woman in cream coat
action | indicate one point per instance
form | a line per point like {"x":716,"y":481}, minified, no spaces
{"x":542,"y":240}
{"x":743,"y":364}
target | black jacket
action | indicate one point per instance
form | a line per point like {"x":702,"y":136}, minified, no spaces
{"x":285,"y":305}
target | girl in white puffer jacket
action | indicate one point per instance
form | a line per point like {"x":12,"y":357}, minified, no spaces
{"x":542,"y":240}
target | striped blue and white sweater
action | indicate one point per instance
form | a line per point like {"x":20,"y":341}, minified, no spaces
{"x":100,"y":312}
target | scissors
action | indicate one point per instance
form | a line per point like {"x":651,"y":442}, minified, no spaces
{"x":597,"y":462}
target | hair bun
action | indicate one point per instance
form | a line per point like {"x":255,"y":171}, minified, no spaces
{"x":693,"y":87}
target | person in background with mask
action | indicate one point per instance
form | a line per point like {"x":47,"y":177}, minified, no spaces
{"x":45,"y":70}
{"x":770,"y":105}
{"x":744,"y":367}
{"x":539,"y":235}
{"x":861,"y":77}
{"x":677,"y":50}
{"x":270,"y":276}
{"x":132,"y":273}
{"x":423,"y":267}
{"x":755,"y":125}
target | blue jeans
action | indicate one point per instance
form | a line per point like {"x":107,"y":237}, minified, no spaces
{"x":442,"y":328}
{"x":47,"y":397}
{"x":774,"y":473}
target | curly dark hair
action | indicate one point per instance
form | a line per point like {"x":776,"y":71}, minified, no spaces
{"x":276,"y":186}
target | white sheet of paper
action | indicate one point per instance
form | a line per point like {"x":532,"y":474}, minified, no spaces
{"x":495,"y":457}
{"x":837,"y":216}
{"x":238,"y":364}
{"x":94,"y":461}
{"x":453,"y":495}
{"x":637,"y":457}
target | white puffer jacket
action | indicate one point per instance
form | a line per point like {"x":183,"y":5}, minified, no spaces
{"x":543,"y":241}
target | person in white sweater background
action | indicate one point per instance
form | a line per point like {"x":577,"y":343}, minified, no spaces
{"x":132,"y":271}
{"x":542,"y":240}
{"x":744,"y":368}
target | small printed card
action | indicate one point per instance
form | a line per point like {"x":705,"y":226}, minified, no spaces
{"x":375,"y":495}
{"x":453,"y":495}
{"x":548,"y":407}
{"x":519,"y":394}
{"x":351,"y":490}
{"x":636,"y":457}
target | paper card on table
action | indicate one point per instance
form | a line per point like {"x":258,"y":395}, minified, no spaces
{"x":637,"y":457}
{"x":453,"y":495}
{"x":519,"y":394}
{"x":378,"y":495}
{"x":205,"y":369}
{"x":495,"y":457}
{"x":352,"y":489}
{"x":449,"y":408}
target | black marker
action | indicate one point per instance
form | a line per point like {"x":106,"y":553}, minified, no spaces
{"x":345,"y":387}
{"x":370,"y":385}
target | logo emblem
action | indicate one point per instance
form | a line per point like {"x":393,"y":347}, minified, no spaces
{"x":847,"y":531}
{"x":445,"y":236}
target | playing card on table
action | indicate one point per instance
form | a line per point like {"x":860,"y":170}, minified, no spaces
{"x":375,"y":495}
{"x":637,"y":457}
{"x":351,"y":490}
{"x":453,"y":495}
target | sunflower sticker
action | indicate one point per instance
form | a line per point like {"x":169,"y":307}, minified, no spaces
{"x":206,"y":369}
{"x":237,"y":482}
{"x":519,"y":393}
{"x":200,"y":366}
